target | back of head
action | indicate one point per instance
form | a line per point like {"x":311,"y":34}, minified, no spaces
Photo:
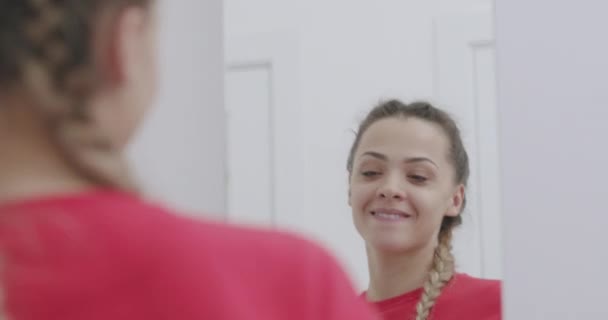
{"x":50,"y":58}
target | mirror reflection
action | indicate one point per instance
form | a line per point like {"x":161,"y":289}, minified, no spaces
{"x":370,"y":126}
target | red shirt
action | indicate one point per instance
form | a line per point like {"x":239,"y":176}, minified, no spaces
{"x":107,"y":255}
{"x":462,"y":298}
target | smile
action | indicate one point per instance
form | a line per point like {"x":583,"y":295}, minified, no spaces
{"x":390,"y":214}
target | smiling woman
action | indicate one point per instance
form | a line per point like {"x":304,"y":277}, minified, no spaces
{"x":408,"y":170}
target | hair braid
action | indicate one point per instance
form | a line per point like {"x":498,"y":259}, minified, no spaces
{"x":61,"y":77}
{"x":441,"y":273}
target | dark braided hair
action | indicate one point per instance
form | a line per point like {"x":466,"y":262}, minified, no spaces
{"x":46,"y":49}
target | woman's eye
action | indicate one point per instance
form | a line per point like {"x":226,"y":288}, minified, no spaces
{"x":370,"y":173}
{"x":418,"y":178}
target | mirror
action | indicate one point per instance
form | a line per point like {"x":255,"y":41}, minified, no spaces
{"x":301,"y":76}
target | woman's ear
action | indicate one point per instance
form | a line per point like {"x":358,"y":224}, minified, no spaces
{"x":349,"y":190}
{"x":117,"y":42}
{"x":349,"y":193}
{"x":456,"y":202}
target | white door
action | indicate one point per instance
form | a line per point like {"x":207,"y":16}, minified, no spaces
{"x":250,"y":182}
{"x":466,"y":86}
{"x":262,"y":129}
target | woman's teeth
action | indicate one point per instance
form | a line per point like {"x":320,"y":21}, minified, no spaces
{"x":390,"y":216}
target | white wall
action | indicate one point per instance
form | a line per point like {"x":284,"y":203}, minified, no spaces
{"x":350,"y":55}
{"x":179,"y":155}
{"x":553,"y":87}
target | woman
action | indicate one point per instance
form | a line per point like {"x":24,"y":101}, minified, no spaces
{"x":77,"y":240}
{"x":407,"y":174}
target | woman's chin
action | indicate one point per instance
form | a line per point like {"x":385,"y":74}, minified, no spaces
{"x":388,"y":244}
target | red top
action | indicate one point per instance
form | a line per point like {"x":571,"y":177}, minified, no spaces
{"x":108,"y":255}
{"x":463,"y":297}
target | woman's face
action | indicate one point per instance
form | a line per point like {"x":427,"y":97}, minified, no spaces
{"x":402,"y":184}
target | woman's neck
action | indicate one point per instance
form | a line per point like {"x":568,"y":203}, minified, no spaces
{"x":30,"y":165}
{"x":393,"y":274}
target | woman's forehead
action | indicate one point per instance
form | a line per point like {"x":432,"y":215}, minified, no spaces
{"x":402,"y":136}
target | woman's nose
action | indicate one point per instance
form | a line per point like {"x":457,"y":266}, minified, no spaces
{"x":392,"y":188}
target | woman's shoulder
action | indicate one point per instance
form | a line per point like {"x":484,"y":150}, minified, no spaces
{"x":132,"y":226}
{"x":299,"y":275}
{"x":467,"y":297}
{"x":474,"y":283}
{"x":466,"y":286}
{"x":483,"y":296}
{"x":143,"y":252}
{"x":240,"y":249}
